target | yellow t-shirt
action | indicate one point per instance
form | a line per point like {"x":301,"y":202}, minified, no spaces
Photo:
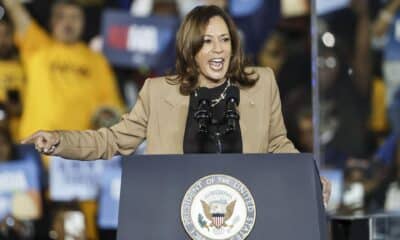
{"x":66,"y":84}
{"x":378,"y":117}
{"x":11,"y":78}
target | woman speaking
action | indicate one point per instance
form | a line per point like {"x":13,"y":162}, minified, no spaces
{"x":214,"y":104}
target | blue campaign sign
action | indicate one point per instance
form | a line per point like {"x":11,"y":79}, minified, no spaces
{"x":392,"y":47}
{"x":325,"y":7}
{"x":241,"y":8}
{"x":16,"y":177}
{"x":255,"y":20}
{"x":109,"y":198}
{"x":139,"y":42}
{"x":76,"y":180}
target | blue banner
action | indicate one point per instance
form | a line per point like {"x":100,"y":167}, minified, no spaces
{"x":139,"y":42}
{"x":109,"y":198}
{"x":242,"y":8}
{"x":325,"y":7}
{"x":17,"y":177}
{"x":392,"y":47}
{"x":77,"y":180}
{"x":255,"y":20}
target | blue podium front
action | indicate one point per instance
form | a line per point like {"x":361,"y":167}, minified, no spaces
{"x":221,"y":196}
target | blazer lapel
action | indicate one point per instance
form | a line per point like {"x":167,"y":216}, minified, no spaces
{"x":174,"y":110}
{"x":251,"y":110}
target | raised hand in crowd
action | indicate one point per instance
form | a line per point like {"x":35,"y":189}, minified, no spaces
{"x":381,"y":24}
{"x":18,"y":14}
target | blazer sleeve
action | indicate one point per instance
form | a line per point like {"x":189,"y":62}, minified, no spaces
{"x":278,"y":141}
{"x":122,"y":138}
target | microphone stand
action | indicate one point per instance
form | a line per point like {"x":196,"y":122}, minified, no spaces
{"x":217,"y":137}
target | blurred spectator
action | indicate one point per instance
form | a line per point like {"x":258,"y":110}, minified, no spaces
{"x":273,"y":52}
{"x":394,"y":111}
{"x":18,"y":223}
{"x":256,"y":19}
{"x":105,"y":117}
{"x":344,"y":87}
{"x":386,"y":30}
{"x":392,"y":201}
{"x":287,"y":51}
{"x":14,"y":229}
{"x":304,"y":129}
{"x":67,"y":222}
{"x":386,"y":152}
{"x":354,"y":191}
{"x":63,"y":75}
{"x":11,"y":77}
{"x":7,"y":149}
{"x":384,"y":195}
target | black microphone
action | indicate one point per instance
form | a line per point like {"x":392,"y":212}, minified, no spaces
{"x":231,"y":114}
{"x":203,"y":113}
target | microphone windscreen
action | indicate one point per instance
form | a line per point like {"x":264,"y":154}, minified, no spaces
{"x":233,"y":92}
{"x":202,"y":95}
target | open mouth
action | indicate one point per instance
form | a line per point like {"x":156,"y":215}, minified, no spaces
{"x":216,"y":64}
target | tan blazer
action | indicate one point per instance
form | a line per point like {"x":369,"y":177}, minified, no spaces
{"x":160,"y":114}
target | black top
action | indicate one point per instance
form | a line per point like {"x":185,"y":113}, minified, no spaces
{"x":217,"y":140}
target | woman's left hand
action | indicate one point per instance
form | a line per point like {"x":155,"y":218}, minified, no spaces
{"x":326,"y":190}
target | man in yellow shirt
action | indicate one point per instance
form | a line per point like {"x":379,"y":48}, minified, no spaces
{"x":66,"y":81}
{"x":11,"y":79}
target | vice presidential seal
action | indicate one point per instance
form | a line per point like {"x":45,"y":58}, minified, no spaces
{"x":218,"y":207}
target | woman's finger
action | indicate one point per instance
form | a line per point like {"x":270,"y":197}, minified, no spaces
{"x":31,"y":139}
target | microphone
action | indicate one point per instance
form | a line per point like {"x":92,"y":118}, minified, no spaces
{"x":203,"y":113}
{"x":231,"y":114}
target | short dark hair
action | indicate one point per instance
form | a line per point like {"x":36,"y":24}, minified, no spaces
{"x":65,"y":2}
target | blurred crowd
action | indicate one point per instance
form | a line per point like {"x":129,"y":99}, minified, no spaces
{"x":54,"y":74}
{"x":359,"y":90}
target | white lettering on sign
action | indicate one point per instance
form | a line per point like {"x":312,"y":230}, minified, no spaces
{"x":13,"y":181}
{"x":143,"y":39}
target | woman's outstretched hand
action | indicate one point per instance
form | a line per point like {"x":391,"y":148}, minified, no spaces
{"x":45,"y":141}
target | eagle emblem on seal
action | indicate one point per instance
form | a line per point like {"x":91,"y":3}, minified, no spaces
{"x":217,"y":213}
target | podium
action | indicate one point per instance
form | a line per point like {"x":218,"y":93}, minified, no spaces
{"x":262,"y":196}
